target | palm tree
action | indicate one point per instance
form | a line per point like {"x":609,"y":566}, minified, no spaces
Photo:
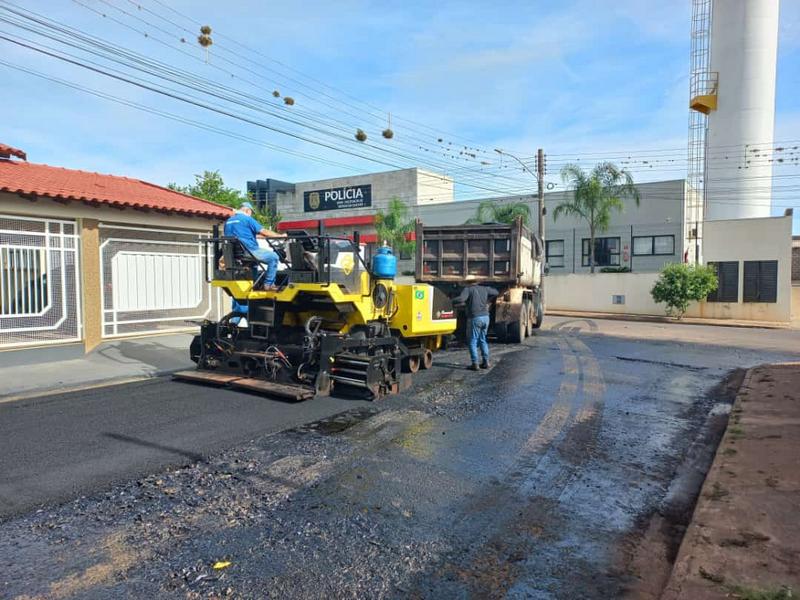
{"x":394,"y":225}
{"x":491,"y":211}
{"x":595,"y":194}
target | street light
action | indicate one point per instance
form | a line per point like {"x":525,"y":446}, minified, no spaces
{"x":539,"y":175}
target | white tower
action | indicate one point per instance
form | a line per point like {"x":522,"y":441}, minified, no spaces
{"x":743,"y":58}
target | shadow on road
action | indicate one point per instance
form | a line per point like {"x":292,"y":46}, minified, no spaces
{"x":145,"y":444}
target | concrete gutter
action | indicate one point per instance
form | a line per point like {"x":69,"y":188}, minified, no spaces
{"x":658,"y":319}
{"x":118,"y":361}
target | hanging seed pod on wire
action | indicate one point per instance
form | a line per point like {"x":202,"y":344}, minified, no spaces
{"x":204,"y":39}
{"x":388,"y":133}
{"x":289,"y":101}
{"x":361,"y":136}
{"x":276,"y":94}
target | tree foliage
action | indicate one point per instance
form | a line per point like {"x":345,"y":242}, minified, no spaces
{"x":595,"y":195}
{"x":679,"y":284}
{"x":394,"y":225}
{"x":490,"y":211}
{"x":210,"y":186}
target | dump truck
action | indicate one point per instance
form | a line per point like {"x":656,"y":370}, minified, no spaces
{"x":509,"y":258}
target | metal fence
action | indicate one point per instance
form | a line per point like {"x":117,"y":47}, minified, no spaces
{"x":153,"y":281}
{"x":39,"y":281}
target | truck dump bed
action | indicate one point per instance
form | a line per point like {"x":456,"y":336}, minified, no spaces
{"x":496,"y":253}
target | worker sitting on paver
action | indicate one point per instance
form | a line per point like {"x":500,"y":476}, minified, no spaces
{"x":245,"y":228}
{"x":476,"y":298}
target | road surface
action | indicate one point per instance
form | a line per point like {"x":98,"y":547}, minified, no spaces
{"x":537,"y":479}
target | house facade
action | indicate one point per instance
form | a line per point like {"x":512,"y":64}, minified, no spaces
{"x":86,"y":257}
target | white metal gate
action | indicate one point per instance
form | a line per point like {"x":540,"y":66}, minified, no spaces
{"x":39,"y":282}
{"x":153,"y":280}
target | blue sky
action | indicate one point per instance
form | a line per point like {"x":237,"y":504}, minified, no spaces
{"x":579,"y":78}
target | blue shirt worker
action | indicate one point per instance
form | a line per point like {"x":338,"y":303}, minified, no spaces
{"x":246,"y":229}
{"x":476,"y":299}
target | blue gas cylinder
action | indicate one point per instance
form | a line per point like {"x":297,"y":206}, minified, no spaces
{"x":384,"y":263}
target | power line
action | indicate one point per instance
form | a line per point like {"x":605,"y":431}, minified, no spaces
{"x":461,"y":181}
{"x":465,"y":180}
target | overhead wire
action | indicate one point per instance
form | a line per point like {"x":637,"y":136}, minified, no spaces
{"x":640,"y":164}
{"x":462,"y":181}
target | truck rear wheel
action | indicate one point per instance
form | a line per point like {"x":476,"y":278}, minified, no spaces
{"x":427,"y":359}
{"x":539,"y":314}
{"x":516,"y":329}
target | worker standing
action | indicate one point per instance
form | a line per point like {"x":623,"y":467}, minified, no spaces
{"x":246,"y":229}
{"x":476,"y":298}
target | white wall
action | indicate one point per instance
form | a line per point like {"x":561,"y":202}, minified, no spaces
{"x":736,"y":240}
{"x":593,"y":293}
{"x":768,"y":238}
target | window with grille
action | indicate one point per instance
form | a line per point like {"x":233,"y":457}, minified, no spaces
{"x":23,"y":281}
{"x":606,"y":252}
{"x":728,"y":280}
{"x":555,"y":253}
{"x":760,"y":281}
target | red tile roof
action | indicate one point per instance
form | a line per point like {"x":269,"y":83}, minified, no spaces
{"x":30,"y":179}
{"x":10,"y":151}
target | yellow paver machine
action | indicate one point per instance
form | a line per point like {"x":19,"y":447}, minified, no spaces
{"x":331,"y":324}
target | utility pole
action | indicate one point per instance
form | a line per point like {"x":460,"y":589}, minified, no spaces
{"x":539,"y":175}
{"x":540,"y":181}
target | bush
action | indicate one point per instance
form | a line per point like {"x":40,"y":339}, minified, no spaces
{"x":615,"y":270}
{"x":679,"y":284}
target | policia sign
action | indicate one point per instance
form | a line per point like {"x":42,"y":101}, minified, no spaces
{"x":357,"y":196}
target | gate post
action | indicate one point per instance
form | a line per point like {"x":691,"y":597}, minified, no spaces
{"x":91,"y":287}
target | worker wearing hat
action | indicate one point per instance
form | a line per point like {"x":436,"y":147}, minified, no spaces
{"x":246,"y":229}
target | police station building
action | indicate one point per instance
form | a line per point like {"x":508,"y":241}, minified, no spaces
{"x":641,"y":238}
{"x":347,"y":204}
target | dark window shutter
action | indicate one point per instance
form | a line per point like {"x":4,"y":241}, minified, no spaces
{"x":761,"y":281}
{"x":768,"y":281}
{"x":728,"y":277}
{"x":714,"y":296}
{"x":750,"y":281}
{"x":729,"y":290}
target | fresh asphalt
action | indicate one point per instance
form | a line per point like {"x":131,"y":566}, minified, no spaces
{"x":525,"y":481}
{"x":61,"y":446}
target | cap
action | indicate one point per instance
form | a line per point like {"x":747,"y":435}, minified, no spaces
{"x":247,"y":205}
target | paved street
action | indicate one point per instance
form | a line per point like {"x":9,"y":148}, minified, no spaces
{"x":536,"y":479}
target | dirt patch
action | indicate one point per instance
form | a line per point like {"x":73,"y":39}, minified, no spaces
{"x":744,"y":538}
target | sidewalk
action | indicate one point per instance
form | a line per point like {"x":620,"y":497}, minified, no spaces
{"x":744,"y":537}
{"x":658,"y":319}
{"x":119,"y":360}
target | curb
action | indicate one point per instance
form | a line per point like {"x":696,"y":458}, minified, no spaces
{"x":88,"y":385}
{"x":680,"y":569}
{"x":667,"y":320}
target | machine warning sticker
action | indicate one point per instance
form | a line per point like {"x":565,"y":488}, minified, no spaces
{"x":347,"y":264}
{"x":419,"y":294}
